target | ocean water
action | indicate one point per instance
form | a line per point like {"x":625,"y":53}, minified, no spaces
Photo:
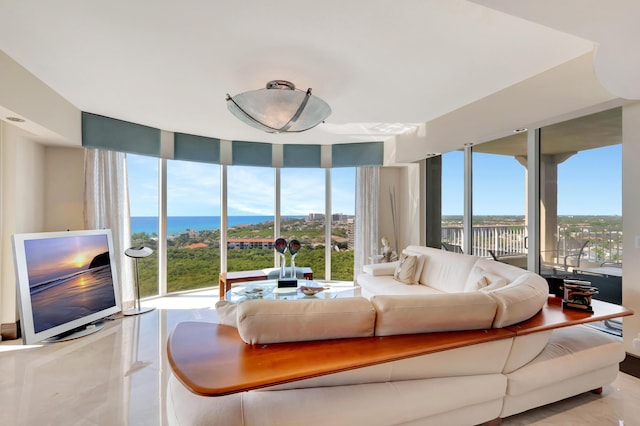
{"x":178,"y":224}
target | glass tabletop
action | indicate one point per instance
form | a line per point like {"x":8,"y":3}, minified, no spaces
{"x":268,"y":289}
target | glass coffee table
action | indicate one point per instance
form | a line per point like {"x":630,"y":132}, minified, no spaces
{"x":268,"y":289}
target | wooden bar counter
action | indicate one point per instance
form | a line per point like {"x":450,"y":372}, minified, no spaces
{"x":211,"y":359}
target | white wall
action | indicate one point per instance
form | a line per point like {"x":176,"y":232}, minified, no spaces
{"x":631,"y":225}
{"x":46,"y":113}
{"x":64,"y":188}
{"x":42,"y":190}
{"x":23,"y":210}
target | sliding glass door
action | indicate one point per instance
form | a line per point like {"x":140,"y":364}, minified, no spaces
{"x":581,"y":201}
{"x":499,"y":200}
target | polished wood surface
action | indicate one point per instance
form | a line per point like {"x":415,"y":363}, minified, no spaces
{"x":212,"y":360}
{"x":227,"y":279}
{"x":554,"y":316}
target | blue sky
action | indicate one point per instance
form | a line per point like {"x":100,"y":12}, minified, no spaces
{"x":193,"y":189}
{"x":589,"y":183}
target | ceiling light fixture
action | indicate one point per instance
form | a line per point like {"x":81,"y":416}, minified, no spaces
{"x":15,"y":119}
{"x":279,"y":108}
{"x":523,"y":129}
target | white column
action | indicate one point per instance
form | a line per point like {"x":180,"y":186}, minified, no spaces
{"x":467,"y":219}
{"x":631,"y":225}
{"x":533,"y":194}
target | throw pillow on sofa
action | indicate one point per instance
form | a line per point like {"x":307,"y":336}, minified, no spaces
{"x":422,"y":259}
{"x":406,"y":270}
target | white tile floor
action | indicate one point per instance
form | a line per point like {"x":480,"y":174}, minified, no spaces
{"x":118,"y":375}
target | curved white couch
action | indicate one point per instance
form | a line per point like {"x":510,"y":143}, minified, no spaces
{"x":468,"y":385}
{"x":458,"y":281}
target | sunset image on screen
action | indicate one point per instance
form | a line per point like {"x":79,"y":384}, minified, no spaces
{"x":50,"y":259}
{"x":69,"y":278}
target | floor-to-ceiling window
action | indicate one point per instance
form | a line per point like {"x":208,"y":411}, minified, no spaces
{"x":579,"y":219}
{"x":302,"y":216}
{"x":251,"y":213}
{"x":499,"y":199}
{"x":143,"y":199}
{"x":193,"y":217}
{"x":193,"y":225}
{"x":581,"y":201}
{"x":343,"y":201}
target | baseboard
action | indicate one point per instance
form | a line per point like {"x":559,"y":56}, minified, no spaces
{"x":631,"y":365}
{"x":10,"y":331}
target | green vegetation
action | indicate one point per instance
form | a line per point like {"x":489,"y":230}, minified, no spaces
{"x":193,"y":258}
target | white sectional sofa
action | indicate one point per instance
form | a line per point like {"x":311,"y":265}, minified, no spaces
{"x":467,"y":385}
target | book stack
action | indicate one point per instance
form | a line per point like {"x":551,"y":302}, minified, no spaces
{"x":577,"y":295}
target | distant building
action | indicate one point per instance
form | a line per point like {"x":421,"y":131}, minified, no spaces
{"x":315,"y":216}
{"x":338,"y":217}
{"x":250,"y":243}
{"x":351,"y":235}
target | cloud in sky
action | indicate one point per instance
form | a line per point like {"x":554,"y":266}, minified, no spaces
{"x":193,"y":189}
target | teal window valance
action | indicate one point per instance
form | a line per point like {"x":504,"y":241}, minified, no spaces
{"x":117,"y":135}
{"x":301,"y":156}
{"x":251,"y":154}
{"x":196,"y":148}
{"x":357,"y":154}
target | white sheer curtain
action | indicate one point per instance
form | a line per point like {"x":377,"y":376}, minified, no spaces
{"x":366,"y":220}
{"x":106,"y":205}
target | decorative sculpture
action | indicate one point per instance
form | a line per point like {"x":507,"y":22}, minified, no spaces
{"x":388,"y":254}
{"x":294,"y":248}
{"x":281,"y":247}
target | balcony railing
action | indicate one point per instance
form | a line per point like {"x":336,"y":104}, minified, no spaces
{"x":604,"y":245}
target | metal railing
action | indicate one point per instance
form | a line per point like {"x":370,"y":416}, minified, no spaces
{"x":604,"y":245}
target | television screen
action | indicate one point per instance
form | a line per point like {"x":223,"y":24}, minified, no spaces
{"x":66,"y":282}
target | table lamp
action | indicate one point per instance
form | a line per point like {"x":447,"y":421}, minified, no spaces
{"x":136,"y":253}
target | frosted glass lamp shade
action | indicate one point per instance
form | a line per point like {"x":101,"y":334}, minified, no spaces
{"x":279,"y":108}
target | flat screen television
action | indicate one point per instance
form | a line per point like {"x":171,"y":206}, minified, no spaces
{"x":67,"y":283}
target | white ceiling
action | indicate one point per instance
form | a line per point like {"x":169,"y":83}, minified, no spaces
{"x":384,"y":67}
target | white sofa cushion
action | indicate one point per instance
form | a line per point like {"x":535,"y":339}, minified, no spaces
{"x":525,"y":348}
{"x":520,"y":300}
{"x":273,"y":321}
{"x":379,"y":269}
{"x":430,"y":313}
{"x":449,"y":363}
{"x":371,"y":286}
{"x":443,"y":270}
{"x":582,"y":349}
{"x":227,"y":313}
{"x":483,"y":280}
{"x":406,"y":402}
